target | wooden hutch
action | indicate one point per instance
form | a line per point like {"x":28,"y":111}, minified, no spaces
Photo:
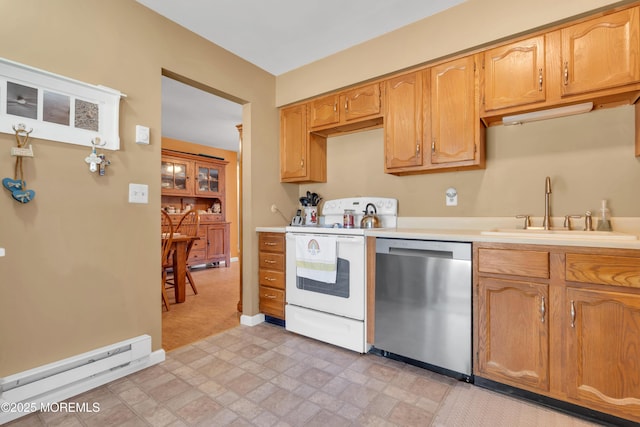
{"x":198,"y":182}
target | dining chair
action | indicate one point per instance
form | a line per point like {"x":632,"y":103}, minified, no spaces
{"x":167,"y":239}
{"x":188,"y":225}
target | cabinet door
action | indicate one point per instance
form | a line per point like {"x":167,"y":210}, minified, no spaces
{"x":603,"y":350}
{"x":209,"y":180}
{"x":403,"y":121}
{"x":293,"y":143}
{"x":454,"y":121}
{"x":601,"y":53}
{"x":514,"y":74}
{"x":218,"y":242}
{"x":324,"y":111}
{"x":361,"y":102}
{"x":176,"y":177}
{"x":513,"y":340}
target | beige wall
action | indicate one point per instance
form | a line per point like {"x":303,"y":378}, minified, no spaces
{"x":230,"y":183}
{"x":81,"y":268}
{"x":588,"y":157}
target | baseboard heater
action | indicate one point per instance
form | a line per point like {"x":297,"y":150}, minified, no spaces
{"x":68,"y":377}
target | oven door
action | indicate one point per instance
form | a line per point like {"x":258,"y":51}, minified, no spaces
{"x":346,"y":297}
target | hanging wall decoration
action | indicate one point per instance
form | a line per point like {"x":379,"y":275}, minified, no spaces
{"x":17,"y":186}
{"x":58,"y":108}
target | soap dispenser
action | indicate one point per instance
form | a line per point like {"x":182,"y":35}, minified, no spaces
{"x":604,"y":222}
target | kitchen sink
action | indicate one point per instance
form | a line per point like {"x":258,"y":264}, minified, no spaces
{"x":559,"y":234}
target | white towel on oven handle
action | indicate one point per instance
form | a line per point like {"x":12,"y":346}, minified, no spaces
{"x":317,"y":258}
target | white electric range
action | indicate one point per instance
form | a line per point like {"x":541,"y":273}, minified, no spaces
{"x":332,"y":309}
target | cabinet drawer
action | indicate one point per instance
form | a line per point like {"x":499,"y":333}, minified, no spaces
{"x":272,"y":302}
{"x":271,"y":242}
{"x":197,"y":256}
{"x":198,"y":244}
{"x":514,"y":262}
{"x":272,"y":261}
{"x":271,"y":278}
{"x":603,"y":269}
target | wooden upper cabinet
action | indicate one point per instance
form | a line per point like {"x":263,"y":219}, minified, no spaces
{"x":403,"y":121}
{"x":293,"y":142}
{"x":302,"y":154}
{"x":601,"y":53}
{"x":352,"y":105}
{"x":209,"y":179}
{"x":456,"y":131}
{"x":177,"y":176}
{"x":514,"y":74}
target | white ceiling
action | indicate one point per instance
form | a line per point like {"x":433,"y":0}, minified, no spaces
{"x":275,"y":35}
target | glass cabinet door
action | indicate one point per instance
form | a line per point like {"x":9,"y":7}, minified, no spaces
{"x":175,"y":176}
{"x":209,"y":180}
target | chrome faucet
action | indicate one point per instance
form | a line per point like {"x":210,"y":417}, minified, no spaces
{"x":546,"y":222}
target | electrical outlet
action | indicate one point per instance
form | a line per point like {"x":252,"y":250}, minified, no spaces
{"x":138,"y":193}
{"x":451,"y":197}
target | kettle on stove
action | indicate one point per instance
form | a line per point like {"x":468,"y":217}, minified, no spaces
{"x":370,"y":218}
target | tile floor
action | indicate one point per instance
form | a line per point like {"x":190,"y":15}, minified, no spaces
{"x":266,"y":376}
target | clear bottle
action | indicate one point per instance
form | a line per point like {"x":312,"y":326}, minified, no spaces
{"x":604,"y":221}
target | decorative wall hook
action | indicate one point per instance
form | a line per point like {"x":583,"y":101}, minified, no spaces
{"x":18,"y":187}
{"x":94,"y":159}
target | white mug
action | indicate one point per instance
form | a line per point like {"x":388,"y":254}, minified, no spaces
{"x":310,"y":215}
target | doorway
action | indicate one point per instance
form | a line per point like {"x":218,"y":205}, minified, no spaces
{"x":201,"y":121}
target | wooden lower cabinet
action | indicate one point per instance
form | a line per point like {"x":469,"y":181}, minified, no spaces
{"x":218,"y":242}
{"x":514,"y":346}
{"x":573,"y":335}
{"x":603,"y":350}
{"x":271,"y":274}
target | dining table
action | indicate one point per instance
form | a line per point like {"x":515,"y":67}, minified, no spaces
{"x":179,"y":247}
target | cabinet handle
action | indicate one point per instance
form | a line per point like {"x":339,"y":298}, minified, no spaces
{"x":540,"y":80}
{"x":301,"y":163}
{"x":433,"y":145}
{"x":542,"y":310}
{"x":270,"y":243}
{"x":566,"y":73}
{"x":269,"y":296}
{"x":269,"y":261}
{"x":417,"y":149}
{"x":573,"y":314}
{"x":335,"y":107}
{"x":346,"y":104}
{"x":270,"y":279}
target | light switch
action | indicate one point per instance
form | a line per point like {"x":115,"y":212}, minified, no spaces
{"x":142,"y":134}
{"x":138,"y":193}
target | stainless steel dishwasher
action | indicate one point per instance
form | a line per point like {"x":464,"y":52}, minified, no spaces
{"x":423,"y":303}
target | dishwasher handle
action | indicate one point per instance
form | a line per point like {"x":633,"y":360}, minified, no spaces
{"x":425,"y":253}
{"x":424,"y":248}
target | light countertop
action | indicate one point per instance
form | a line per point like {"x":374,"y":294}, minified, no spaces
{"x":280,"y":229}
{"x":469,"y":229}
